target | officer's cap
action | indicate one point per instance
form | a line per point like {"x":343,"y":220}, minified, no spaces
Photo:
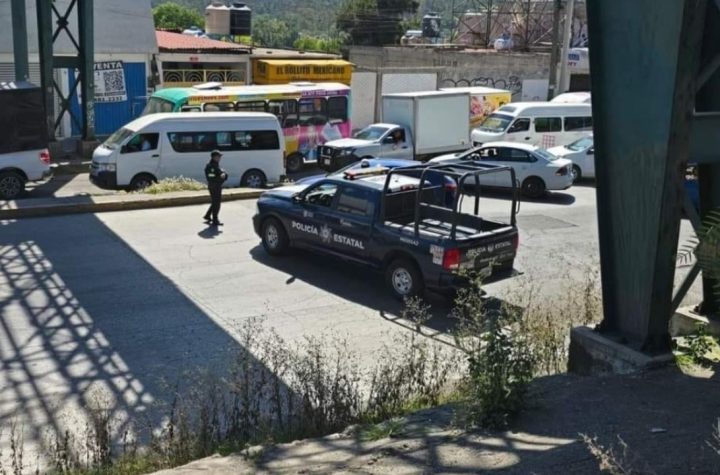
{"x":215,"y":152}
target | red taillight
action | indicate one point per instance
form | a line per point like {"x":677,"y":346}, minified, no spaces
{"x":516,"y":241}
{"x":451,"y":259}
{"x":451,"y":186}
{"x":45,"y":157}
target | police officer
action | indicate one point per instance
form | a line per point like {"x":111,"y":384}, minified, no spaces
{"x":215,"y":176}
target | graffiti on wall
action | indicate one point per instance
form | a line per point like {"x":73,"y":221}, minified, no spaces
{"x":511,"y":83}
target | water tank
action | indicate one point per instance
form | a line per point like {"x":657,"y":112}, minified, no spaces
{"x":431,"y":25}
{"x":217,"y":19}
{"x":240,"y":19}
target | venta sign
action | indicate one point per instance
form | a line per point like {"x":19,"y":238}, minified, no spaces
{"x":110,"y":82}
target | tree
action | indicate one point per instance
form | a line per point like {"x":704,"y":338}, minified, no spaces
{"x":176,"y":17}
{"x":316,"y":43}
{"x":272,"y":33}
{"x":374,"y":22}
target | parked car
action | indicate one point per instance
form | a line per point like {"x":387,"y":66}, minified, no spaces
{"x":537,"y":171}
{"x":582,"y":154}
{"x":449,"y":185}
{"x":18,"y":168}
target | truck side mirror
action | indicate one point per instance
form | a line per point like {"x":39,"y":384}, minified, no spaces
{"x":299,"y":198}
{"x":389,"y":140}
{"x":591,"y":151}
{"x":124,"y":149}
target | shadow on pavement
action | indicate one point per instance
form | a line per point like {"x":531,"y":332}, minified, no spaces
{"x":82,"y":313}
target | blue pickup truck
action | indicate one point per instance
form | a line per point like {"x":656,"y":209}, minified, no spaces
{"x":394,"y":221}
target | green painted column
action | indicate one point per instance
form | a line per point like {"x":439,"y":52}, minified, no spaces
{"x":20,"y":42}
{"x":644,"y":58}
{"x":87,"y":62}
{"x":45,"y":50}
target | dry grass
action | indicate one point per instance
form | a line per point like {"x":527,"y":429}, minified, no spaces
{"x":170,"y":185}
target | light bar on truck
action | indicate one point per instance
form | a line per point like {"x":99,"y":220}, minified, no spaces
{"x":365,"y":172}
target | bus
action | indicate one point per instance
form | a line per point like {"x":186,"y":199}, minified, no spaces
{"x":310,"y":114}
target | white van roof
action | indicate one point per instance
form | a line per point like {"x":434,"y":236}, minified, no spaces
{"x":475,"y":90}
{"x":572,"y":98}
{"x":541,"y":108}
{"x":144,"y":121}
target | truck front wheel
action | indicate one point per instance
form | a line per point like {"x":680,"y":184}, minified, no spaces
{"x":404,"y":279}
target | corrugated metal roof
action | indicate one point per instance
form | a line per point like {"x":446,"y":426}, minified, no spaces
{"x":170,"y":42}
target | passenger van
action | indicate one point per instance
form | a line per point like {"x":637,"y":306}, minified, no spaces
{"x":544,"y":124}
{"x":167,"y":145}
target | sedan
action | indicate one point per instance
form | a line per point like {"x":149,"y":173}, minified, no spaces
{"x":582,"y":154}
{"x":536,"y":170}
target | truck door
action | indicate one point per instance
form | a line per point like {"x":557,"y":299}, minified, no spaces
{"x":352,"y":222}
{"x":396,"y":145}
{"x":309,"y":223}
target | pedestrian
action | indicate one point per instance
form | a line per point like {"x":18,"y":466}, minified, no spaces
{"x":215,"y":176}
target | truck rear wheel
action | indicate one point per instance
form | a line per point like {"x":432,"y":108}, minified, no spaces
{"x":404,"y":278}
{"x":295,"y":163}
{"x":11,"y":185}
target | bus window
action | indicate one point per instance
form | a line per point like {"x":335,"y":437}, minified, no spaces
{"x":337,"y":108}
{"x":253,"y":106}
{"x":190,"y":109}
{"x":156,"y":105}
{"x":285,"y":110}
{"x":313,"y":111}
{"x":218,"y":107}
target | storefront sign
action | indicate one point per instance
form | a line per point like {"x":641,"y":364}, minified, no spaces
{"x":110,"y":82}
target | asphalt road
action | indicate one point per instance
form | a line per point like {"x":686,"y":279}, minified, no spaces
{"x":122,"y":303}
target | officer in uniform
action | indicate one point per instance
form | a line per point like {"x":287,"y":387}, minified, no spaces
{"x":215,"y":177}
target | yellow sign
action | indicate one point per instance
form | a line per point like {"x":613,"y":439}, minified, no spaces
{"x":482,"y":105}
{"x":281,"y":71}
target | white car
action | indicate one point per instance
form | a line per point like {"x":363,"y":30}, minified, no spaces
{"x":18,"y":168}
{"x":536,"y":170}
{"x":582,"y":154}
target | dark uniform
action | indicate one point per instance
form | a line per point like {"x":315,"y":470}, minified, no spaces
{"x":215,"y":176}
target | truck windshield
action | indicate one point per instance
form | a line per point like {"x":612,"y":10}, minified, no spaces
{"x":581,"y":144}
{"x":117,"y":138}
{"x":156,"y":105}
{"x":371,"y":133}
{"x":496,"y":123}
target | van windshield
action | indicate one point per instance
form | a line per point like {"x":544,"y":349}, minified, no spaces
{"x":496,"y":123}
{"x":371,"y":133}
{"x":581,"y":144}
{"x":117,"y":138}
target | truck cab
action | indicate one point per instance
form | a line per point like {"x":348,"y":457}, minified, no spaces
{"x":377,"y":140}
{"x":394,"y":221}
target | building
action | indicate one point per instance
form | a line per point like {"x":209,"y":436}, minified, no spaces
{"x":185,"y":60}
{"x":124,"y":46}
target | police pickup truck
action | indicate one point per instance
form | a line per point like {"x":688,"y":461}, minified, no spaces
{"x":394,"y":221}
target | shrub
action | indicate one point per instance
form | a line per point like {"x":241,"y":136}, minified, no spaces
{"x":169,"y":185}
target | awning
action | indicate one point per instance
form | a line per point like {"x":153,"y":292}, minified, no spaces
{"x":283,"y":71}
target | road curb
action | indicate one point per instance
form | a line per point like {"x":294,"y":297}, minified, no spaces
{"x":103,"y":204}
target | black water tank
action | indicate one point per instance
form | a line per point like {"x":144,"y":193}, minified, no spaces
{"x":431,"y":25}
{"x":240,"y":19}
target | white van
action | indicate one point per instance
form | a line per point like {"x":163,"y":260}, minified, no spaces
{"x":158,"y":146}
{"x":544,"y":124}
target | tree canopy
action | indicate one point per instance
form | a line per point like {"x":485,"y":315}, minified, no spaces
{"x":173,"y":16}
{"x":374,"y":22}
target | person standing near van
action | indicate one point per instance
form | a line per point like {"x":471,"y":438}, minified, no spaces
{"x":215,"y":177}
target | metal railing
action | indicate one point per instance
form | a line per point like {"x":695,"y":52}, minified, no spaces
{"x":190,"y":77}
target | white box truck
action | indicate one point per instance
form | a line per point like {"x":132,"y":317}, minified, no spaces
{"x":416,"y":125}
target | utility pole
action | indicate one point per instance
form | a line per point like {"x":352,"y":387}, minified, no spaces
{"x":555,"y":52}
{"x":567,"y":37}
{"x":20,"y":42}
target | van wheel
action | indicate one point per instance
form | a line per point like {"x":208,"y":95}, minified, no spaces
{"x":141,"y":181}
{"x":274,"y":238}
{"x":533,"y":187}
{"x":253,"y":179}
{"x":576,"y":173}
{"x":11,"y":185}
{"x":294,"y":163}
{"x":404,"y":279}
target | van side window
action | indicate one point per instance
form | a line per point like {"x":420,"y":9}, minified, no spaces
{"x":520,"y":125}
{"x":192,"y":142}
{"x":142,"y":143}
{"x":578,"y":123}
{"x":548,"y":124}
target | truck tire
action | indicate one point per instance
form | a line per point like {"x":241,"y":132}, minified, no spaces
{"x":404,"y":278}
{"x":253,"y":178}
{"x":294,"y":163}
{"x":12,"y":184}
{"x":274,"y":237}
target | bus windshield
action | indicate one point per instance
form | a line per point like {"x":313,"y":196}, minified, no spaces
{"x":156,"y":105}
{"x":496,"y":123}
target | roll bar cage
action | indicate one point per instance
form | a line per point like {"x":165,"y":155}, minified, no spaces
{"x":461,"y":173}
